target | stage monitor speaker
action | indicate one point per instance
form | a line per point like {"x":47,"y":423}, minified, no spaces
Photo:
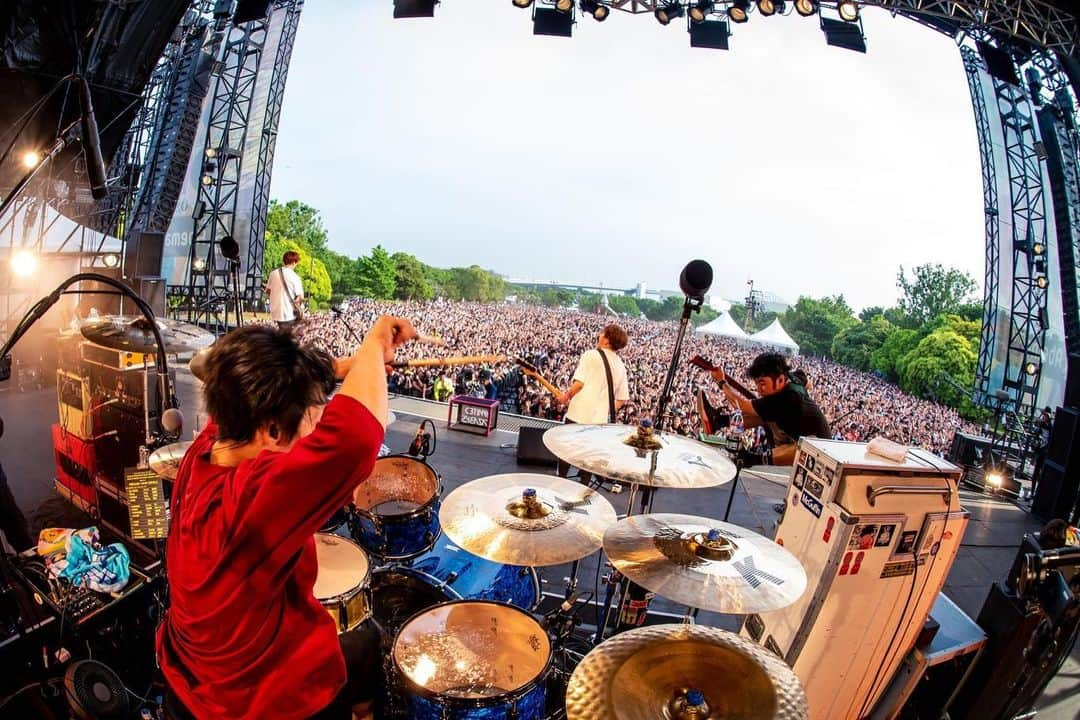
{"x":152,"y":290}
{"x":531,"y":449}
{"x":1056,"y":494}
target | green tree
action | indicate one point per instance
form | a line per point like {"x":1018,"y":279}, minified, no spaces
{"x":409,"y":280}
{"x":888,"y":358}
{"x":856,"y":345}
{"x":376,"y":274}
{"x":932,"y":290}
{"x":475,"y":283}
{"x":942,"y":354}
{"x":624,"y":305}
{"x":814,"y":322}
{"x":298,"y":222}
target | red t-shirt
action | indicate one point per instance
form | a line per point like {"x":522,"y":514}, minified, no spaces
{"x":244,"y":636}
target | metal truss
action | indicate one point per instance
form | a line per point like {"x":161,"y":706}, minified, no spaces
{"x":205,"y":296}
{"x":267,"y":142}
{"x":1036,"y":22}
{"x":973,"y":66}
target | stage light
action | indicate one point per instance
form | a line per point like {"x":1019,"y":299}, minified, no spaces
{"x":211,"y":153}
{"x":199,"y":264}
{"x":414,"y":8}
{"x":995,"y":478}
{"x":848,"y":9}
{"x":564,"y":6}
{"x":23,"y":263}
{"x":668,"y":12}
{"x":552,"y":22}
{"x":770,"y":7}
{"x":31,"y":159}
{"x":522,"y":3}
{"x":598,"y":11}
{"x":207,"y":180}
{"x":110,"y":260}
{"x":710,"y":34}
{"x":739,"y":11}
{"x":1042,"y":282}
{"x":1038,"y":248}
{"x":806,"y":8}
{"x":700,"y":10}
{"x":1031,"y":368}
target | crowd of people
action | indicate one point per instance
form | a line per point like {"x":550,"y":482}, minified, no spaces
{"x":858,"y":405}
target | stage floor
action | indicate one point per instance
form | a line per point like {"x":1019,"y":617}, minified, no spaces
{"x":986,"y":554}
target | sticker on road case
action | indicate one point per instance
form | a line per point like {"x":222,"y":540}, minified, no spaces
{"x":898,"y":569}
{"x":812,"y":504}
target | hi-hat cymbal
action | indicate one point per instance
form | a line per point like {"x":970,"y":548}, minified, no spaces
{"x":670,"y":671}
{"x":134,"y":334}
{"x":680,"y":462}
{"x":705,"y":563}
{"x":497,"y":518}
{"x":165,"y":461}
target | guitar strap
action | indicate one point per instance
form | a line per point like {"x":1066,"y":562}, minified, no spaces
{"x":288,"y":293}
{"x":610,"y":386}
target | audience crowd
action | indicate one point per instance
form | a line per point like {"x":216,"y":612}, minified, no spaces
{"x":859,"y":405}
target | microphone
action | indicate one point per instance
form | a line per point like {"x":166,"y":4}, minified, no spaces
{"x":91,"y":142}
{"x":696,"y":279}
{"x":172,"y":421}
{"x":336,"y":309}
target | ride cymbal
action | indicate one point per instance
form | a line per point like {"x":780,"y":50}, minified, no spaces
{"x":499,"y":519}
{"x":134,"y":334}
{"x":165,"y":461}
{"x":679,"y":462}
{"x":705,"y":563}
{"x":683,"y":671}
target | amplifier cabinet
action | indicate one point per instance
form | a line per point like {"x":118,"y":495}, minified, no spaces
{"x":74,"y":402}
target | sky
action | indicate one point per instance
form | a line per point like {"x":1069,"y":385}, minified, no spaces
{"x":618,"y":155}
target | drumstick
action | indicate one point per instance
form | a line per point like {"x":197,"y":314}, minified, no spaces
{"x":458,"y":360}
{"x":431,"y":340}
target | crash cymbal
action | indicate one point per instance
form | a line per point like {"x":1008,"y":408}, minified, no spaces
{"x":705,"y":563}
{"x":497,"y":518}
{"x":133,"y":334}
{"x":683,"y":671}
{"x":680,"y":462}
{"x":165,"y":461}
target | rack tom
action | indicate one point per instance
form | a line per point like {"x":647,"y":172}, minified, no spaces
{"x":397,"y":508}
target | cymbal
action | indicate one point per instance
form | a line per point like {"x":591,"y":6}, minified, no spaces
{"x":601,"y":449}
{"x":705,"y":563}
{"x":165,"y":461}
{"x":669,"y":671}
{"x":497,"y":519}
{"x":197,"y":363}
{"x":133,"y":334}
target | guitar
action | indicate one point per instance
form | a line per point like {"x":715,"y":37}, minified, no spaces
{"x":527,"y":367}
{"x":706,"y":365}
{"x":534,"y":372}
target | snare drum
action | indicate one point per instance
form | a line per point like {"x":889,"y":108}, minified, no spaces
{"x":397,"y":508}
{"x":474,"y":660}
{"x":341,"y":585}
{"x":448,"y":573}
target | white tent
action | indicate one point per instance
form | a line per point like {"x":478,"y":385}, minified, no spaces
{"x":775,"y":336}
{"x":722,"y":326}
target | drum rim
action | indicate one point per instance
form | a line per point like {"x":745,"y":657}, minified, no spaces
{"x":435,"y":583}
{"x":441,"y":584}
{"x":409,"y":555}
{"x":365,"y":583}
{"x":458,"y":702}
{"x":436,"y":498}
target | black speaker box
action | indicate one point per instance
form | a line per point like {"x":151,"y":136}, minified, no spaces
{"x":142,"y":254}
{"x":1063,"y":436}
{"x":248,"y":10}
{"x":1072,"y":382}
{"x":531,"y":449}
{"x":1056,"y":494}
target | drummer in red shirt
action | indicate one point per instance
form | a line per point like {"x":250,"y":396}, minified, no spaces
{"x":244,"y":636}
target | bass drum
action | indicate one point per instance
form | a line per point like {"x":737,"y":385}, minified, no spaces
{"x":448,"y":573}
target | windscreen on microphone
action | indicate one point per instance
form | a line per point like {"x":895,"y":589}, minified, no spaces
{"x":91,"y":142}
{"x":172,"y":421}
{"x":696,"y":279}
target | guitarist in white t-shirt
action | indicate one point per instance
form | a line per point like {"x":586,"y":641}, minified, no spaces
{"x":590,"y":399}
{"x":286,"y":292}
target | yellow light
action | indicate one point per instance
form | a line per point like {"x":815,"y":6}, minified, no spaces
{"x":995,"y":478}
{"x":849,"y":11}
{"x":1042,"y":282}
{"x":200,"y":264}
{"x":31,"y":158}
{"x":207,"y":180}
{"x":23,"y":263}
{"x":111,"y":260}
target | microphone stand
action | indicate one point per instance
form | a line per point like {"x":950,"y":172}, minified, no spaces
{"x":341,"y":316}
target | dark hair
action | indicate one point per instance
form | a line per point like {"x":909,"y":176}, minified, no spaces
{"x":768,"y":365}
{"x":616,"y":337}
{"x":290,"y":257}
{"x":258,"y":375}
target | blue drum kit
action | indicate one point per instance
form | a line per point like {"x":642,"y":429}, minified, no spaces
{"x":453,"y":583}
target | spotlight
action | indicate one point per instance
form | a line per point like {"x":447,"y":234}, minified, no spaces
{"x":770,"y":7}
{"x":553,"y":22}
{"x":522,"y":3}
{"x":207,"y":180}
{"x":564,"y":6}
{"x":1042,"y":282}
{"x":700,"y":10}
{"x":806,"y":8}
{"x":848,"y":9}
{"x":994,"y":478}
{"x":211,"y":153}
{"x":668,"y":12}
{"x":739,"y":11}
{"x":598,"y":11}
{"x":199,"y":264}
{"x":1031,"y":368}
{"x":110,"y":260}
{"x":30,"y":159}
{"x":23,"y":263}
{"x":1038,"y":248}
{"x":414,"y":8}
